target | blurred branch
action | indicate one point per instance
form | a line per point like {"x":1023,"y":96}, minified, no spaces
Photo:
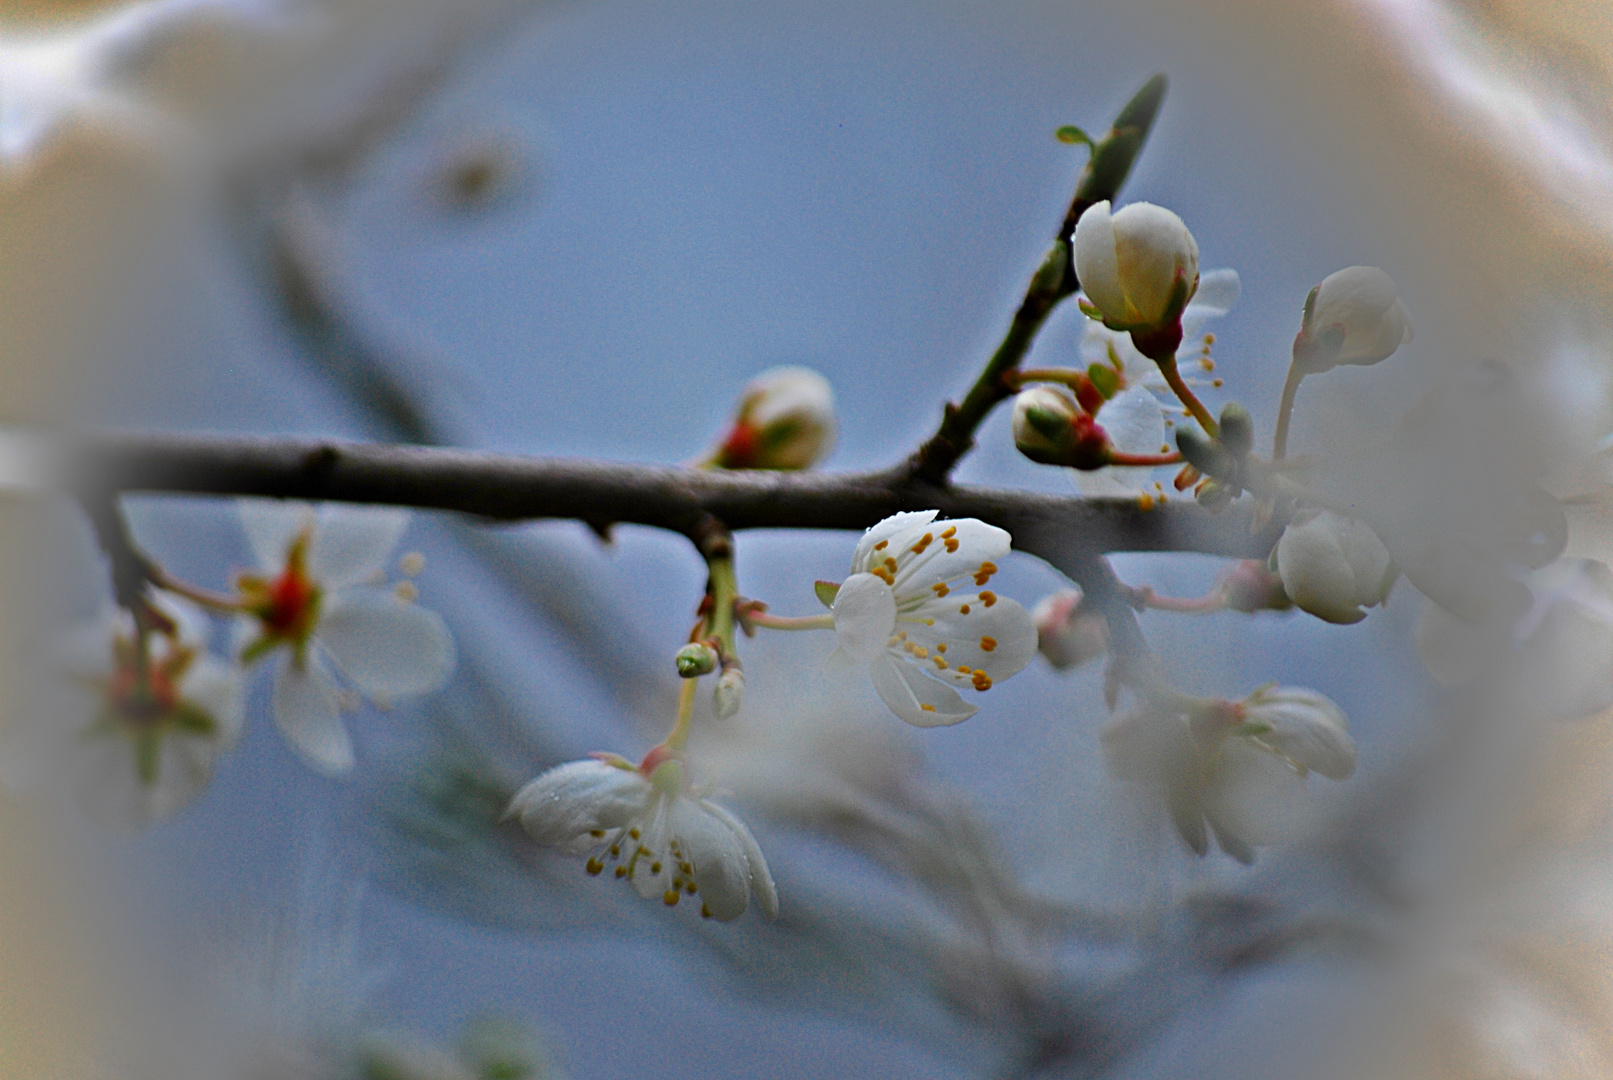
{"x":512,"y":488}
{"x":1110,"y":164}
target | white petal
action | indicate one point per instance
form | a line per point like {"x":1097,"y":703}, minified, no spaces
{"x":216,"y":687}
{"x":1096,"y":264}
{"x":1452,"y":649}
{"x":1253,"y":795}
{"x":761,"y":879}
{"x":864,"y":614}
{"x":1135,"y":424}
{"x":1006,"y":626}
{"x":562,"y":806}
{"x":270,"y":526}
{"x":1306,"y":728}
{"x":1218,"y":291}
{"x":976,"y":544}
{"x":353,"y":543}
{"x":1571,"y":659}
{"x":651,"y":874}
{"x":184,"y":769}
{"x":194,"y":625}
{"x":306,"y":712}
{"x":721,"y":869}
{"x":1148,"y":747}
{"x":896,"y":523}
{"x":907,"y":690}
{"x":1153,"y":249}
{"x":388,"y":647}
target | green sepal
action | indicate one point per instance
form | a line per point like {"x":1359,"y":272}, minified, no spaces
{"x":1237,"y":430}
{"x":1071,"y":135}
{"x":826,"y":592}
{"x":1105,"y":378}
{"x":1204,"y":453}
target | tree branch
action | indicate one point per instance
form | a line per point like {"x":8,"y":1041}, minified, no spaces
{"x":513,"y":488}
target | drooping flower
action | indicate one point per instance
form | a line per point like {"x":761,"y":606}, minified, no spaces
{"x":652,"y":828}
{"x":786,"y":420}
{"x":1138,"y":266}
{"x":140,"y":727}
{"x":898,"y":614}
{"x":1234,"y":770}
{"x":1352,"y":317}
{"x":1333,"y":566}
{"x":315,"y":603}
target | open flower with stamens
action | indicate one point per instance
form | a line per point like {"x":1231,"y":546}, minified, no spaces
{"x":652,"y":829}
{"x":138,"y":725}
{"x":904,"y":613}
{"x":316,"y":604}
{"x":1232,"y":769}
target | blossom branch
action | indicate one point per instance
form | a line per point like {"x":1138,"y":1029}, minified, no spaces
{"x":515,"y":488}
{"x":1105,"y":172}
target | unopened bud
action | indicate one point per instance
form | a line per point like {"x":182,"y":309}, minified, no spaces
{"x":1049,"y":428}
{"x":1237,"y":430}
{"x":1352,"y":317}
{"x":696,"y":659}
{"x":1139,"y":266}
{"x":730,"y":689}
{"x":1333,"y":566}
{"x":1204,"y":453}
{"x":786,"y":420}
{"x":1067,"y":633}
{"x":1252,"y":586}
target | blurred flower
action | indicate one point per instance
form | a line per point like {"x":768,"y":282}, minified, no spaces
{"x":1067,"y":635}
{"x":317,"y":598}
{"x":786,"y":420}
{"x":1138,"y":266}
{"x":1352,"y":317}
{"x":1234,"y":770}
{"x":139,"y":726}
{"x":1333,"y":566}
{"x":897,"y":614}
{"x":664,"y":838}
{"x":1249,"y":586}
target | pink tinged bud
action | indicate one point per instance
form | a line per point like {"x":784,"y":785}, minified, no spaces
{"x":1067,"y":634}
{"x":1051,"y":429}
{"x":786,"y":420}
{"x":1251,"y":586}
{"x":1352,"y":317}
{"x":1138,"y":266}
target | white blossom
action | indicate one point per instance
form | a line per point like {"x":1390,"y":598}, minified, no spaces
{"x":1232,"y":770}
{"x":786,"y":420}
{"x":1352,"y":317}
{"x":138,"y":732}
{"x":1139,"y":266}
{"x":1333,"y":566}
{"x":317,"y":603}
{"x":898,"y":614}
{"x":653,"y":829}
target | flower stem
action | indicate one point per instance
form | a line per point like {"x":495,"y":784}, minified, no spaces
{"x":213,"y":601}
{"x":1209,"y":603}
{"x":678,"y":737}
{"x":1279,"y":442}
{"x":724,"y":587}
{"x":1173,"y":379}
{"x":786,"y":622}
{"x":1116,"y":457}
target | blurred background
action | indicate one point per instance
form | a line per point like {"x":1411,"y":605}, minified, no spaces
{"x":579,"y":229}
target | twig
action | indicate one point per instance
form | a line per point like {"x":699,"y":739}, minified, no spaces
{"x":1110,"y":164}
{"x":514,"y":488}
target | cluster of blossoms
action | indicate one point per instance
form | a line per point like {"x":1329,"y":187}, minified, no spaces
{"x":141,"y":688}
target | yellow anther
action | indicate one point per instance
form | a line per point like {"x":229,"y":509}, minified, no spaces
{"x":412,"y":563}
{"x":597,"y":834}
{"x":940,"y":588}
{"x":1145,"y":501}
{"x":655,"y":868}
{"x":982,"y":681}
{"x":988,"y":598}
{"x":691,"y":888}
{"x":1218,"y":383}
{"x":924,"y":541}
{"x":952,"y":545}
{"x":405,"y":591}
{"x":964,"y":610}
{"x":919,"y":652}
{"x":964,"y":669}
{"x":881,"y":545}
{"x":616,"y":851}
{"x":890,"y":564}
{"x":594,"y":866}
{"x":671,"y":897}
{"x":633,"y":833}
{"x":1164,"y":448}
{"x":927,"y":708}
{"x":988,"y":643}
{"x":940,"y":664}
{"x":951,"y":531}
{"x":941,"y":646}
{"x":621,"y":871}
{"x":705,"y":912}
{"x":1209,"y":339}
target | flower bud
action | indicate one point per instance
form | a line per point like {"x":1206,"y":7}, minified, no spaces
{"x":786,"y":420}
{"x":1237,"y":430}
{"x":1138,"y":266}
{"x":1250,"y":586}
{"x":1051,"y":429}
{"x":696,"y":659}
{"x":1067,"y":634}
{"x":1333,"y":566}
{"x":730,"y":689}
{"x":1303,"y":726}
{"x":1352,"y":317}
